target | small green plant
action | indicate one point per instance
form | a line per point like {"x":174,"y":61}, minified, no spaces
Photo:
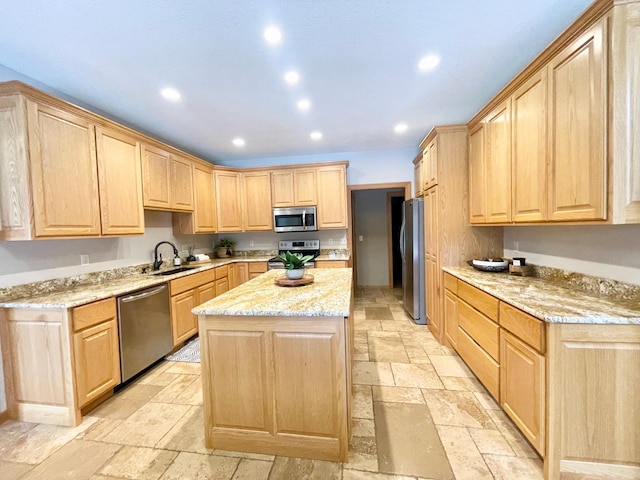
{"x":224,"y":243}
{"x":294,"y":261}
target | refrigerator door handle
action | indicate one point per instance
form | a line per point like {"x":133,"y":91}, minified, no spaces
{"x":402,"y":243}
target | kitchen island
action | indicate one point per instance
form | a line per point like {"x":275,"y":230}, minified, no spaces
{"x":276,"y":366}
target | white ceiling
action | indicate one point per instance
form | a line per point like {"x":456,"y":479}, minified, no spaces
{"x":357,"y":58}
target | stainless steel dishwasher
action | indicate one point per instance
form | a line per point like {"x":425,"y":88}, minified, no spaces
{"x":145,"y":329}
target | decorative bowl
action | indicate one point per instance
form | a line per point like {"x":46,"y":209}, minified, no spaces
{"x":489,"y":264}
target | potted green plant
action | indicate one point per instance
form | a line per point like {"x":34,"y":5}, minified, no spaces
{"x":224,"y":247}
{"x":294,"y":264}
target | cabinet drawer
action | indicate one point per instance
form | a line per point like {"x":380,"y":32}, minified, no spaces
{"x":93,"y":313}
{"x":451,"y":283}
{"x":190,"y":282}
{"x":257,"y":267}
{"x":222,"y":272}
{"x":479,"y":300}
{"x":486,"y":368}
{"x":485,"y":332}
{"x":527,"y":328}
{"x":331,"y":264}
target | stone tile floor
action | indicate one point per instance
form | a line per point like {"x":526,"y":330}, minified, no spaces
{"x":419,"y":413}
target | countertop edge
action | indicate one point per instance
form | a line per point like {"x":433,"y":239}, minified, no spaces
{"x":551,"y":318}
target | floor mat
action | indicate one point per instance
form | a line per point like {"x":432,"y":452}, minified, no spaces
{"x":189,"y":353}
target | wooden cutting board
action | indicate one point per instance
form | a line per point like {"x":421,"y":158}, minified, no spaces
{"x":283,"y":281}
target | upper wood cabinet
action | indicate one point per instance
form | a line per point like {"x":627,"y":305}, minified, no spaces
{"x":529,"y":149}
{"x":332,"y":197}
{"x":167,"y":180}
{"x":294,"y":187}
{"x":256,"y":207}
{"x":477,"y":176}
{"x":578,"y":102}
{"x":203,"y":218}
{"x":430,"y":165}
{"x":572,"y":135}
{"x":120,"y":182}
{"x":228,"y":200}
{"x":498,"y":164}
{"x":417,"y":176}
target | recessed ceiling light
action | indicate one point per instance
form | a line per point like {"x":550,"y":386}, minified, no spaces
{"x":304,"y":104}
{"x":428,"y":63}
{"x":171,"y":94}
{"x":273,"y":35}
{"x":238,"y":142}
{"x":316,"y":135}
{"x":292,"y":77}
{"x":400,"y":128}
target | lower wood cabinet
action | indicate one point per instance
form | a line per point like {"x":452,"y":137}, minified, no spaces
{"x":451,"y":318}
{"x":331,"y":263}
{"x":96,"y":349}
{"x":522,"y":381}
{"x":238,"y":274}
{"x":186,"y":293}
{"x":257,"y":268}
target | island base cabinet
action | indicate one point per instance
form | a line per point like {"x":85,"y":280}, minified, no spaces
{"x":276,"y":385}
{"x":593,"y":419}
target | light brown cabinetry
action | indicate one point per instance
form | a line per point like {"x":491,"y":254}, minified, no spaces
{"x":417,"y":176}
{"x":497,"y":150}
{"x":276,"y":385}
{"x":186,"y":293}
{"x":203,"y":218}
{"x":120,"y":183}
{"x":257,"y":269}
{"x":578,"y":103}
{"x":96,"y":349}
{"x":167,"y":180}
{"x":430,"y":165}
{"x":449,"y":239}
{"x":529,"y":149}
{"x":570,"y":130}
{"x":256,"y":208}
{"x":331,"y":263}
{"x":222,"y":279}
{"x":238,"y":274}
{"x":228,"y":200}
{"x":294,"y":187}
{"x":450,"y":315}
{"x":332,"y":197}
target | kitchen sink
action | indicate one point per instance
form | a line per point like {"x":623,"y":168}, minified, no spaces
{"x":174,"y":270}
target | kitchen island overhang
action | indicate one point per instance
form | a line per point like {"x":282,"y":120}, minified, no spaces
{"x":276,"y":366}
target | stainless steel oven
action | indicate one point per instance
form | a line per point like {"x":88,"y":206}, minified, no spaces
{"x":305,"y":247}
{"x":295,"y":219}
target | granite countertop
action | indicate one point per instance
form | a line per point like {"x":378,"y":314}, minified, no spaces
{"x":82,"y":294}
{"x":551,"y":301}
{"x":329,"y":295}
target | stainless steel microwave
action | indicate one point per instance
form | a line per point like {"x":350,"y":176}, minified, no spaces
{"x":295,"y":219}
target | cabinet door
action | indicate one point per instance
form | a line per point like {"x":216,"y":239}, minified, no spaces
{"x":97,"y":361}
{"x":204,"y":208}
{"x":431,"y":165}
{"x":522,"y":390}
{"x":433,"y":297}
{"x":228,"y":201}
{"x":181,"y":184}
{"x":64,"y":173}
{"x":184,"y":324}
{"x":477,"y":176}
{"x":282,"y":188}
{"x":222,"y":286}
{"x":332,"y":197}
{"x":417,"y":179}
{"x":206,"y":292}
{"x":120,"y":181}
{"x":451,"y":318}
{"x":242,"y":273}
{"x":498,"y":164}
{"x":256,"y":269}
{"x":529,"y":137}
{"x":431,"y":224}
{"x":577,"y":125}
{"x":257,"y":212}
{"x":156,"y":175}
{"x":305,"y":187}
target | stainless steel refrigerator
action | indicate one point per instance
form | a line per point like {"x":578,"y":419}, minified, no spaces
{"x":412,"y":252}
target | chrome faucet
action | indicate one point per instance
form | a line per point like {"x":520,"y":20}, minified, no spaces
{"x":157,"y":260}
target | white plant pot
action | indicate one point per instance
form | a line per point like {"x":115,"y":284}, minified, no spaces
{"x":295,"y":274}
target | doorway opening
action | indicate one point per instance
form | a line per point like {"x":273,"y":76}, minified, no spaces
{"x":374,"y":232}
